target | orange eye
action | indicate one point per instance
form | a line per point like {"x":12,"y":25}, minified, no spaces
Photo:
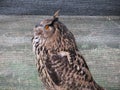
{"x":47,"y":27}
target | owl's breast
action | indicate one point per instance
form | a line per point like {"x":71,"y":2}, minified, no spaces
{"x":41,"y":59}
{"x":37,"y":42}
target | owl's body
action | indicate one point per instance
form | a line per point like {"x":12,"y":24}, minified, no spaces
{"x":59,"y":63}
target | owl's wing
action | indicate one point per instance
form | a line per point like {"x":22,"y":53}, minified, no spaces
{"x":52,"y":71}
{"x":62,"y":66}
{"x":68,"y":69}
{"x":55,"y":65}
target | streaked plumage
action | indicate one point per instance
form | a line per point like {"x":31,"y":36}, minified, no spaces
{"x":59,"y":63}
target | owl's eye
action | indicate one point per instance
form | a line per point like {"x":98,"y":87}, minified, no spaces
{"x":47,"y":27}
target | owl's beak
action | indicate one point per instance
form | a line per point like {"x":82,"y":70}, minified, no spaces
{"x":37,"y":25}
{"x":38,"y":30}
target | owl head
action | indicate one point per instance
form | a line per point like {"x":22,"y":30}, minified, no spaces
{"x":53,"y":34}
{"x":47,"y":27}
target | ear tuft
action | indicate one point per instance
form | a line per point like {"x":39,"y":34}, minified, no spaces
{"x":56,"y":14}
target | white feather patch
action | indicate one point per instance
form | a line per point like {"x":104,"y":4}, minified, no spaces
{"x":63,"y":53}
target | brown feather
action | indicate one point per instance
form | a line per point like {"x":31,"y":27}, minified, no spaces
{"x":59,"y":63}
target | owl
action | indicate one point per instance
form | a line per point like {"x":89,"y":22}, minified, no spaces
{"x":58,"y":61}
